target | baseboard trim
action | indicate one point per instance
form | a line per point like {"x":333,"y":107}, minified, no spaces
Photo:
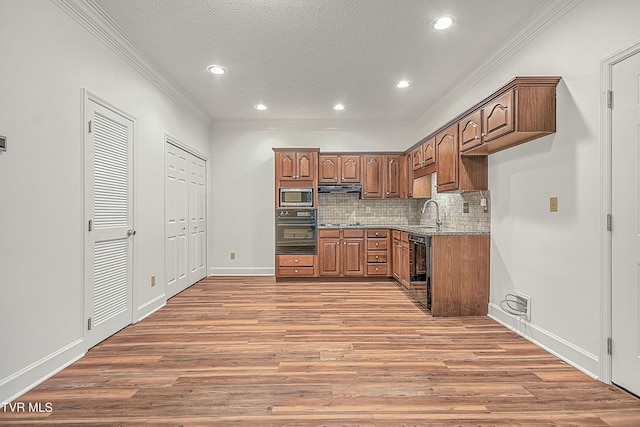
{"x":17,"y":384}
{"x":150,"y":307}
{"x":242,"y":271}
{"x":559,"y":347}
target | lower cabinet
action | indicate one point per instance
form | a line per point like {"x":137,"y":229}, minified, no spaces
{"x":377,"y":252}
{"x":459,"y":275}
{"x":295,"y":265}
{"x":341,"y":252}
{"x":400,"y":255}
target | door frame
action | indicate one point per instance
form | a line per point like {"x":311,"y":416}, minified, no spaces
{"x":170,"y":139}
{"x":606,"y":246}
{"x":88,"y":96}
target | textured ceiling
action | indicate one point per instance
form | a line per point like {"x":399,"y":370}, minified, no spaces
{"x":300,"y":57}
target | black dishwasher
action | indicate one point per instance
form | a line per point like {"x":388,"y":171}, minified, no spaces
{"x":420,"y":269}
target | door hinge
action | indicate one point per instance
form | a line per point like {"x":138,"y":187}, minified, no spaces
{"x":89,"y":324}
{"x":609,"y":99}
{"x":89,"y":126}
{"x":609,"y":222}
{"x":609,"y":346}
{"x":90,"y":225}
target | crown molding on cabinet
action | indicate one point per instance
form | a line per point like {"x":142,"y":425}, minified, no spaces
{"x":88,"y":14}
{"x":541,"y":18}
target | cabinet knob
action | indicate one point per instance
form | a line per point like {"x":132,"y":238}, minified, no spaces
{"x":295,"y":271}
{"x":335,"y":178}
{"x":377,"y":243}
{"x":295,"y":260}
{"x":388,"y":193}
{"x":377,"y":269}
{"x":377,"y":256}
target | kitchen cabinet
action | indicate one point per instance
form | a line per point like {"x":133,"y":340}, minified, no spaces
{"x":296,"y":165}
{"x":425,"y":157}
{"x":392,"y":176}
{"x":382,"y":176}
{"x":456,"y":172}
{"x":406,"y":177}
{"x":341,"y":252}
{"x":460,"y":275}
{"x":471,"y":131}
{"x":522,"y":110}
{"x":295,"y":265}
{"x":339,"y":168}
{"x":400,"y":254}
{"x":377,"y":252}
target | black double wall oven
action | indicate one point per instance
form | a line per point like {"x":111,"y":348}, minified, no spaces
{"x":296,"y":231}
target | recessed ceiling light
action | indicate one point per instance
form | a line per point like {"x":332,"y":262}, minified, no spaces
{"x":261,"y":107}
{"x":216,"y":69}
{"x":443,"y":22}
{"x":338,"y":107}
{"x":403,"y":83}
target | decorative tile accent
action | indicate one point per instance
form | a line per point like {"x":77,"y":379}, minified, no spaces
{"x":349,"y":208}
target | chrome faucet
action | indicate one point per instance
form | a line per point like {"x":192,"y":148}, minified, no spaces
{"x":424,"y":207}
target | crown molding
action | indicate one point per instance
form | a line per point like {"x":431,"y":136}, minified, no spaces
{"x":90,"y":16}
{"x":545,"y":15}
{"x":317,"y":125}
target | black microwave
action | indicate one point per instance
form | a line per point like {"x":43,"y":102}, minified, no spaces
{"x":300,"y":197}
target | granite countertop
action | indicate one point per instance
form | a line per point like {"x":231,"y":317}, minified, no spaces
{"x":414,"y":229}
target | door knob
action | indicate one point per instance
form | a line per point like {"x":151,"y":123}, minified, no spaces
{"x":131,"y":232}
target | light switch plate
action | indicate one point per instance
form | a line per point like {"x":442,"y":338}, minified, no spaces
{"x":553,"y":204}
{"x":3,"y":143}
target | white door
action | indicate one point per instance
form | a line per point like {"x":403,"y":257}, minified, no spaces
{"x":625,"y":198}
{"x":197,"y":220}
{"x":176,"y":217}
{"x":185,"y":219}
{"x":109,"y":221}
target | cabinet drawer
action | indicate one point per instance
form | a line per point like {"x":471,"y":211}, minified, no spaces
{"x":376,"y":269}
{"x":374,"y":256}
{"x":295,"y":272}
{"x":377,"y":233}
{"x":377,"y":244}
{"x":295,"y":261}
{"x":329,"y":232}
{"x":348,"y":232}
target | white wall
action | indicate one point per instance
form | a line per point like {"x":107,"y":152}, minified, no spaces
{"x":241,"y":205}
{"x":555,"y":257}
{"x":47,"y":59}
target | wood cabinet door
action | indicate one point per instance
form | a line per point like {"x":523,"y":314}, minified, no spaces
{"x":305,"y":165}
{"x":393,"y":176}
{"x":396,"y":249}
{"x":471,"y":131}
{"x":498,"y":117}
{"x":286,"y":166}
{"x":350,"y":169}
{"x":429,"y":152}
{"x":405,"y":271}
{"x":448,"y":161}
{"x":353,"y":257}
{"x":373,"y":179}
{"x":329,"y":256}
{"x":328,"y":168}
{"x":406,"y":178}
{"x":418,"y":158}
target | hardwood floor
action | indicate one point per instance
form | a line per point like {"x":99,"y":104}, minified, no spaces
{"x":252,"y":352}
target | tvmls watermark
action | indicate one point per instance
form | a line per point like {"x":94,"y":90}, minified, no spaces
{"x":27,"y":407}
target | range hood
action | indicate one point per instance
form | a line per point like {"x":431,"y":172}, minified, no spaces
{"x":339,"y":188}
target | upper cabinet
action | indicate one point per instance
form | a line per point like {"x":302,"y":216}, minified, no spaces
{"x":373,"y":168}
{"x":447,"y":152}
{"x":339,"y":168}
{"x":296,"y":165}
{"x":522,"y":110}
{"x":424,"y":156}
{"x":393,"y":176}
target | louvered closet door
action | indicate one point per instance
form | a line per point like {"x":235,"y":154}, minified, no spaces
{"x":177,"y":220}
{"x":109,"y":231}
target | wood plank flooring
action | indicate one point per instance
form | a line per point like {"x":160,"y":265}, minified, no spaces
{"x":252,"y":352}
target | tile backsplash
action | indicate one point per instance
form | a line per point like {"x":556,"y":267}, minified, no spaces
{"x":349,"y":208}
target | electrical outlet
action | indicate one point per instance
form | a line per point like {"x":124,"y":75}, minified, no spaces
{"x":368,"y":209}
{"x":153,"y":280}
{"x":523,"y":303}
{"x":232,"y":255}
{"x":553,"y":204}
{"x":3,"y":143}
{"x":465,"y":207}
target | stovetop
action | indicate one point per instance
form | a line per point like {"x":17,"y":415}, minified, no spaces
{"x":341,"y":225}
